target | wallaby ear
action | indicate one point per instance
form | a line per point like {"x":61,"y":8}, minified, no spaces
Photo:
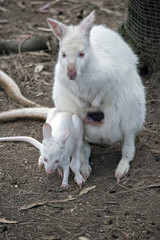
{"x":63,"y":137}
{"x":87,"y":23}
{"x":57,"y":28}
{"x":47,"y":131}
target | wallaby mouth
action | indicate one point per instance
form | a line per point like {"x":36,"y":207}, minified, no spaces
{"x":71,"y":72}
{"x":72,"y":75}
{"x":49,"y":171}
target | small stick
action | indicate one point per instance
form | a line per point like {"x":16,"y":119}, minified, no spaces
{"x":36,"y":204}
{"x":155,"y":151}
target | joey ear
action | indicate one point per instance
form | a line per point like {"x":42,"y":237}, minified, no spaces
{"x":63,"y":137}
{"x":87,"y":23}
{"x":47,"y":131}
{"x":57,"y":27}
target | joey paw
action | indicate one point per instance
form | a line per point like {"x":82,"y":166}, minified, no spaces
{"x":60,"y":172}
{"x":64,"y":185}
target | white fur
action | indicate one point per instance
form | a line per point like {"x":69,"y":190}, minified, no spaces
{"x":62,"y":140}
{"x":106,"y":80}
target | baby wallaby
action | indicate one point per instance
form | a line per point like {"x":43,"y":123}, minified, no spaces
{"x":62,"y":142}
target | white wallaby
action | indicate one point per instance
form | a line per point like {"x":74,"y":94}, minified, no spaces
{"x":62,"y":140}
{"x":97,"y":71}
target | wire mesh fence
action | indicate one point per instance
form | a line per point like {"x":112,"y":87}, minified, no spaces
{"x":143,"y":26}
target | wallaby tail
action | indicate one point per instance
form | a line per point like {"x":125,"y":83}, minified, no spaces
{"x":13,"y":91}
{"x":30,"y":140}
{"x":33,"y":113}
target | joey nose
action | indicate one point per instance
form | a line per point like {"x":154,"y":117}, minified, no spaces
{"x":71,"y":73}
{"x":49,"y":171}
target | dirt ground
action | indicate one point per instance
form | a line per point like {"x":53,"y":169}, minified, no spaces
{"x":32,"y":204}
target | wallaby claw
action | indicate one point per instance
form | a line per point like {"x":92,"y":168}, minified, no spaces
{"x":79,"y":180}
{"x":64,"y":185}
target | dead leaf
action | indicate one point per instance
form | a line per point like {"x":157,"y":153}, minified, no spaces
{"x":3,"y":220}
{"x":21,"y":5}
{"x":38,"y":68}
{"x":39,"y":94}
{"x":83,"y":238}
{"x":37,"y":204}
{"x":86,"y":190}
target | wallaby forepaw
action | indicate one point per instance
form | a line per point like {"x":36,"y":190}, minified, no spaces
{"x":122,"y":169}
{"x":60,"y":172}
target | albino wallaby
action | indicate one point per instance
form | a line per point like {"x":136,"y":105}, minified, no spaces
{"x":97,"y":72}
{"x":62,"y":140}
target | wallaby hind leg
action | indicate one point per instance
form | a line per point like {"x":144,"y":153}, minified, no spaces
{"x":76,"y":163}
{"x":85,"y":154}
{"x":128,"y":151}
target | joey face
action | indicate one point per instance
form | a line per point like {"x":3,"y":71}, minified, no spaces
{"x":52,"y":148}
{"x":52,"y":155}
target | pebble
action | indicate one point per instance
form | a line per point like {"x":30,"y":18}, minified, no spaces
{"x":81,"y":210}
{"x":3,"y":229}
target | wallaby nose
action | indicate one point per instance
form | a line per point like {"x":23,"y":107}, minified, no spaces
{"x":71,"y":73}
{"x":49,"y":171}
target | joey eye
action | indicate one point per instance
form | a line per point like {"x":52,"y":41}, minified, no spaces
{"x":45,"y":159}
{"x":57,"y":161}
{"x":63,"y":54}
{"x":81,"y":54}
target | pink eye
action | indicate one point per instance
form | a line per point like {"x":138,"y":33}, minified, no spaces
{"x":63,"y":54}
{"x":45,"y":159}
{"x":81,"y":54}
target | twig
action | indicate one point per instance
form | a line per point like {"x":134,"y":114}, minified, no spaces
{"x":2,"y":9}
{"x":153,"y":100}
{"x":60,"y":220}
{"x":155,"y":151}
{"x":3,"y":220}
{"x":156,"y":185}
{"x":149,"y":130}
{"x":37,"y":204}
{"x":108,"y":11}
